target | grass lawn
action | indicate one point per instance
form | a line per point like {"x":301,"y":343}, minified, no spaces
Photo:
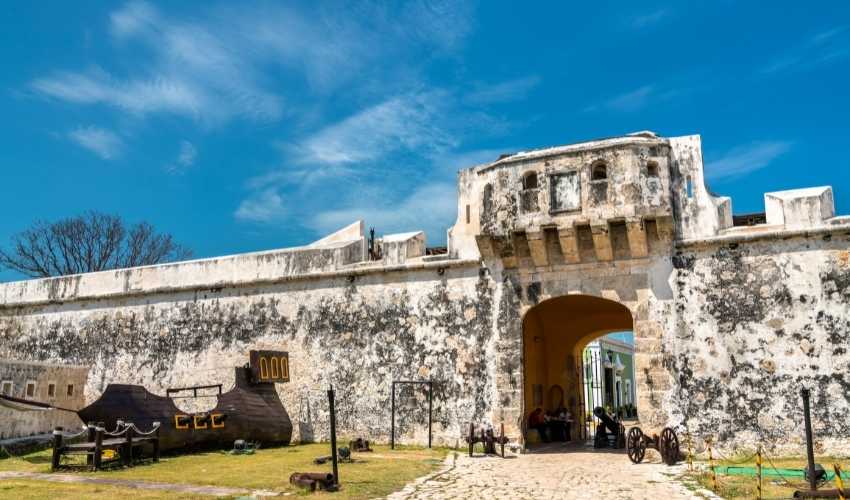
{"x":371,"y":474}
{"x":734,"y":487}
{"x":39,"y":490}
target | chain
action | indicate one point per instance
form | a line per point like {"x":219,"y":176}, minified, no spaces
{"x":838,"y":481}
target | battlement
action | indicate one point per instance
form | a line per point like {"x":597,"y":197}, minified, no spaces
{"x":610,"y":199}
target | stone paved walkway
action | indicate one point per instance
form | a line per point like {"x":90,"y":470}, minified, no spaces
{"x":214,"y":491}
{"x":554,"y":473}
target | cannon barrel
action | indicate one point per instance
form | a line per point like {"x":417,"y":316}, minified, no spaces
{"x":608,"y":422}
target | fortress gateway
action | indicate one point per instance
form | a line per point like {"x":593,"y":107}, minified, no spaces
{"x":551,"y":249}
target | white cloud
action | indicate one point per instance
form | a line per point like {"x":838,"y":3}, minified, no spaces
{"x":264,"y":207}
{"x":185,"y":158}
{"x":628,"y":102}
{"x":650,"y":19}
{"x":510,"y":90}
{"x":97,"y":87}
{"x":400,"y":123}
{"x":821,"y":48}
{"x":747,"y":158}
{"x":187,"y":155}
{"x":102,"y":142}
{"x":219,"y":64}
{"x":431,"y":207}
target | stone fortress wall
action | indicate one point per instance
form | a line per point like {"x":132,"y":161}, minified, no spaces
{"x":729,"y":321}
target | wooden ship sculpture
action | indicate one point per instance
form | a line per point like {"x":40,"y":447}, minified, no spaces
{"x":250,"y":411}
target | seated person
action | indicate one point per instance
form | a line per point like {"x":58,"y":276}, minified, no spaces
{"x":567,"y":418}
{"x":557,"y":426}
{"x":537,"y":421}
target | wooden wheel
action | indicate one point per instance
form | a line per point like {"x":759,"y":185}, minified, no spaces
{"x":669,"y":446}
{"x":635,"y":445}
{"x":471,"y":438}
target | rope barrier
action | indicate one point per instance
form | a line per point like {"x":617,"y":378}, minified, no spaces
{"x":156,"y":426}
{"x":797,"y":486}
{"x":838,"y":481}
{"x":71,"y":436}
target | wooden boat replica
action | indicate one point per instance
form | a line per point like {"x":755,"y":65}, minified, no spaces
{"x":251,"y":410}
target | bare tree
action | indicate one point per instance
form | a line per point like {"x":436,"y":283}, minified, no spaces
{"x":86,"y":243}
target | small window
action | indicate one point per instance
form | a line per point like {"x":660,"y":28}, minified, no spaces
{"x":275,"y":368}
{"x":468,"y":218}
{"x":652,"y":169}
{"x":599,"y":172}
{"x":6,"y":389}
{"x":51,"y":390}
{"x":689,"y":187}
{"x":30,"y":389}
{"x":70,"y":390}
{"x":529,"y":180}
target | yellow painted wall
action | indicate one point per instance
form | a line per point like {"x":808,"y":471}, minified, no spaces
{"x":554,"y":334}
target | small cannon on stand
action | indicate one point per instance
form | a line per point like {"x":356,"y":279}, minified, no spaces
{"x":488,"y":439}
{"x":609,"y":433}
{"x":667,"y":445}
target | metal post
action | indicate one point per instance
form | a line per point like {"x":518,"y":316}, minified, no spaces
{"x":810,"y":452}
{"x":758,"y":468}
{"x":392,"y":422}
{"x":711,"y":466}
{"x":430,"y":406}
{"x":333,"y":434}
{"x":57,"y":448}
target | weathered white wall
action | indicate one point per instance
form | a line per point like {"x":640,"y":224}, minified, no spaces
{"x":18,"y":424}
{"x":358,"y":335}
{"x":750,"y":325}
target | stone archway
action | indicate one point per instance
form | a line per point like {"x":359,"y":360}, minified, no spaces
{"x":555,"y":333}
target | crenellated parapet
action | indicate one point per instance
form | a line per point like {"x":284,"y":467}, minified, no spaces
{"x":621,"y":198}
{"x":596,"y":201}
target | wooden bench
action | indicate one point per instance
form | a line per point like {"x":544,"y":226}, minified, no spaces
{"x":126,"y":438}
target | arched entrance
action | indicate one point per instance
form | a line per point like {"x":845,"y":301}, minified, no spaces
{"x":555,"y":334}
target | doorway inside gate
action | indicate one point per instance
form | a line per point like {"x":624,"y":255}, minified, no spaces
{"x":573,"y":365}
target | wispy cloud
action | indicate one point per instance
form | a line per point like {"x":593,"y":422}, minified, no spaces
{"x":510,"y":90}
{"x":185,"y":158}
{"x":104,"y":143}
{"x":432,"y":208}
{"x":633,"y":100}
{"x":187,"y":155}
{"x":747,"y":158}
{"x":821,"y":48}
{"x":650,"y":19}
{"x":215,"y":66}
{"x":399,"y":123}
{"x":263,"y":207}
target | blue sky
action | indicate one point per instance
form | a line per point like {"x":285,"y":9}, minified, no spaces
{"x":248,"y":126}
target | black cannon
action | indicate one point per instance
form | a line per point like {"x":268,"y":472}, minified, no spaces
{"x":609,"y":432}
{"x":488,"y":439}
{"x":667,"y":445}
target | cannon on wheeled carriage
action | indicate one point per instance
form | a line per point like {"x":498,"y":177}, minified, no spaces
{"x":667,"y":445}
{"x":488,"y":439}
{"x":609,"y":433}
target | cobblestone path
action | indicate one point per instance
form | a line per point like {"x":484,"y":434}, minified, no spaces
{"x":556,"y":472}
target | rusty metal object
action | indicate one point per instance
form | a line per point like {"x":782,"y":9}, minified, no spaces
{"x":609,"y":432}
{"x":667,"y":445}
{"x":313,"y":480}
{"x":359,"y":445}
{"x":488,"y":439}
